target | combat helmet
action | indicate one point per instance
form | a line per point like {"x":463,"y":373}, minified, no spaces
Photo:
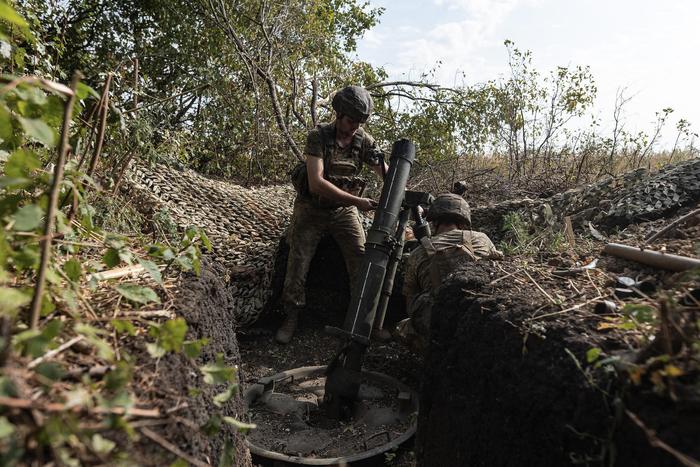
{"x":449,"y":207}
{"x":353,"y":101}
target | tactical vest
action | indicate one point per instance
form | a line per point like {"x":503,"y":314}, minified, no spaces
{"x":340,"y":167}
{"x":448,"y":259}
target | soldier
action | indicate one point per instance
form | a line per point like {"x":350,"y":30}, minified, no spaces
{"x":436,"y":257}
{"x":335,"y":154}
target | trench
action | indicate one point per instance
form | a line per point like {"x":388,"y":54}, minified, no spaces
{"x":490,"y":394}
{"x":327,"y":301}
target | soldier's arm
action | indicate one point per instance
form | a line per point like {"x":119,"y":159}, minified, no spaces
{"x":371,"y":147}
{"x":322,"y":187}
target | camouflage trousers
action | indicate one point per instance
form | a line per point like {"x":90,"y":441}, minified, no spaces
{"x":309,"y":223}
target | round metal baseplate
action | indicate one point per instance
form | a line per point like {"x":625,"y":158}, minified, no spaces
{"x":386,"y":412}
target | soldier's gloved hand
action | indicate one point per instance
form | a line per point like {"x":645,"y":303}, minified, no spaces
{"x":366,"y":204}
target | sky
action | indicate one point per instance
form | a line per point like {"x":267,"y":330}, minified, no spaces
{"x":650,"y":48}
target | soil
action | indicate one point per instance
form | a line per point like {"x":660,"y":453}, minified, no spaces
{"x":327,"y":300}
{"x":513,"y":366}
{"x":291,"y":420}
{"x":506,"y":379}
{"x":205,"y":304}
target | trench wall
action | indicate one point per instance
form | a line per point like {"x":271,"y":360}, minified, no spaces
{"x":494,"y":396}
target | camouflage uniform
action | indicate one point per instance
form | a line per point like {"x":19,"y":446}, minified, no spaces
{"x":428,"y":266}
{"x":314,"y":216}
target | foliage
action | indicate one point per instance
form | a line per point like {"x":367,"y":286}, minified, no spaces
{"x":32,"y":110}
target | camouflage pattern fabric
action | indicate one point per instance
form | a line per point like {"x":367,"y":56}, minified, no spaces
{"x":343,"y":165}
{"x":309,"y":223}
{"x":418,"y":265}
{"x":424,"y":269}
{"x":610,"y":203}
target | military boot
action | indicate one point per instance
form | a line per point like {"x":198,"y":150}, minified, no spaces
{"x":286,"y":331}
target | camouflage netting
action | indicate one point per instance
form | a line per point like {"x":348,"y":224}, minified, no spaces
{"x":244,"y":224}
{"x":612,"y":202}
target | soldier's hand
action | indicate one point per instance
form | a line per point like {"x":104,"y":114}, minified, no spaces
{"x":366,"y":204}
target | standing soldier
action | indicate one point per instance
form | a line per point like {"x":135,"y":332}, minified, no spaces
{"x":429,"y":265}
{"x":329,"y":194}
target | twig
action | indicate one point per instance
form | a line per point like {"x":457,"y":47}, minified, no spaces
{"x":502,"y":277}
{"x":540,"y":288}
{"x":671,"y":226}
{"x":53,"y":204}
{"x":169,"y":98}
{"x":101,"y":127}
{"x":58,"y":407}
{"x":139,"y":314}
{"x":54,"y":352}
{"x":654,"y":441}
{"x":117,"y":273}
{"x":172,"y":448}
{"x":179,"y":406}
{"x":575,"y":307}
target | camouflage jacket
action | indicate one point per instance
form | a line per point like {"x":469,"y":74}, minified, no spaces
{"x":341,"y":166}
{"x":441,"y":256}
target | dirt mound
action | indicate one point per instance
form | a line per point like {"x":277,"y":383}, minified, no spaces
{"x":508,"y":381}
{"x":206,"y":305}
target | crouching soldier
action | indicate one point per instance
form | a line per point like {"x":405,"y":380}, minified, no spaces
{"x":451,"y":245}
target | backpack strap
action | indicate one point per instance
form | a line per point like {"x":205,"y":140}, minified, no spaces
{"x":428,"y":245}
{"x":356,"y":149}
{"x":327,"y":133}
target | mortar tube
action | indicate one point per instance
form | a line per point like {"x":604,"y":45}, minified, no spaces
{"x":344,"y":372}
{"x":390,"y":275}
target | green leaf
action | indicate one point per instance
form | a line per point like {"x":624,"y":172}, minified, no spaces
{"x":50,"y":370}
{"x":83,"y":91}
{"x":193,"y":348}
{"x":593,"y":354}
{"x":34,"y":342}
{"x":21,"y":164}
{"x":28,"y":218}
{"x":170,"y":335}
{"x":8,"y":14}
{"x":240,"y":426}
{"x":228,"y":455}
{"x":102,"y":445}
{"x":119,"y":377}
{"x":218,"y":372}
{"x":5,"y":121}
{"x":640,"y":312}
{"x":222,"y":398}
{"x":114,"y":241}
{"x":11,"y":300}
{"x":104,"y":350}
{"x":185,"y":262}
{"x":152,"y":270}
{"x":212,"y":427}
{"x":72,"y":269}
{"x":39,"y":131}
{"x":124,"y":327}
{"x":6,"y":428}
{"x":47,"y":305}
{"x":111,"y":258}
{"x":179,"y":463}
{"x":205,"y":240}
{"x":137,"y":293}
